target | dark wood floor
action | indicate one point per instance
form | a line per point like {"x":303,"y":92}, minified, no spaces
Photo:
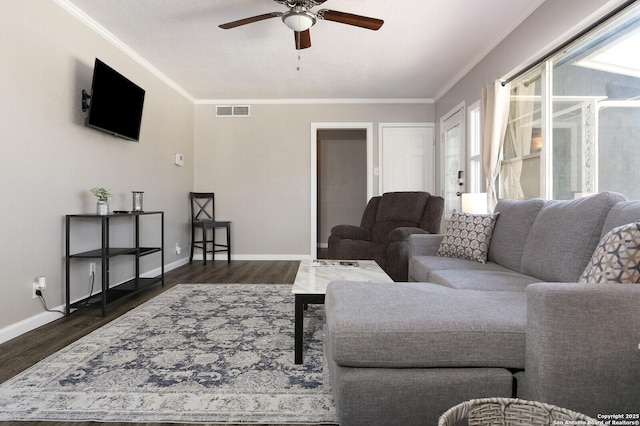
{"x":26,"y":350}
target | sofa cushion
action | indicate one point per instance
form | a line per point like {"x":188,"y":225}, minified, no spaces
{"x":621,"y":214}
{"x":468,"y":236}
{"x":499,"y":280}
{"x":406,"y":325}
{"x":564,"y":236}
{"x":617,"y":257}
{"x":420,"y":267}
{"x":410,"y":396}
{"x":512,"y":230}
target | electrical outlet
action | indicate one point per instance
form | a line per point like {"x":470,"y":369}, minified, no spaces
{"x":178,"y":249}
{"x":38,"y":285}
{"x":92,"y":269}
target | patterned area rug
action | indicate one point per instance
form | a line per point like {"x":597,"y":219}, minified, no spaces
{"x":197,"y":353}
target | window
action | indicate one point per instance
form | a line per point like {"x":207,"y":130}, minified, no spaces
{"x":574,"y":122}
{"x":474,"y":149}
{"x":521,"y":154}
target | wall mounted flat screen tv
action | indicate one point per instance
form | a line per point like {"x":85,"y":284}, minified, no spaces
{"x":116,"y":103}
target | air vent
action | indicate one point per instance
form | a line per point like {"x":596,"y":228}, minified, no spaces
{"x":241,"y":110}
{"x":224,"y":111}
{"x":232,"y":111}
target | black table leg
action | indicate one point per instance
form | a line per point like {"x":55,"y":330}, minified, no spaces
{"x":229,"y":243}
{"x":301,"y":303}
{"x":298,"y":329}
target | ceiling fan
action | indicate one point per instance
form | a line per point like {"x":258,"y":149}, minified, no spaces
{"x":300,"y":18}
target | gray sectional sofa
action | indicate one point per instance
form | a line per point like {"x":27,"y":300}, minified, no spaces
{"x":519,"y":325}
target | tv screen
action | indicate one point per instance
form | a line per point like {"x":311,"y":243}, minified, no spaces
{"x":116,"y":103}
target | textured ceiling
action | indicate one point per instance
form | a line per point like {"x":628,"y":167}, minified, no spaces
{"x":423,"y":48}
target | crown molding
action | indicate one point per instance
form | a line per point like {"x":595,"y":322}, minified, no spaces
{"x":109,"y":37}
{"x":313,"y":101}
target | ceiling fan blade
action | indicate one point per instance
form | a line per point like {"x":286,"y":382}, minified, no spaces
{"x":250,"y":20}
{"x":302,"y":39}
{"x":350,"y":19}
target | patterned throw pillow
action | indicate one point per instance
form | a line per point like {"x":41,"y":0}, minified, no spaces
{"x":617,"y":257}
{"x":468,"y":236}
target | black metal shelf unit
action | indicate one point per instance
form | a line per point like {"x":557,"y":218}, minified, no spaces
{"x":106,"y":252}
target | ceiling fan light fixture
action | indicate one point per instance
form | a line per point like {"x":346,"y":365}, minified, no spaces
{"x":299,"y":20}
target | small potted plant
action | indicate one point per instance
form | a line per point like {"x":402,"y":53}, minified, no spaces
{"x":103,"y":196}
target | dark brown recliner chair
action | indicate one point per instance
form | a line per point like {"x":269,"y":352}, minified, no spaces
{"x":386,"y":223}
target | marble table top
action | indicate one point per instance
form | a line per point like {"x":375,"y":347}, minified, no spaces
{"x":314,"y":279}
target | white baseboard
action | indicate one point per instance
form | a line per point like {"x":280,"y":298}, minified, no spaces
{"x":168,"y":267}
{"x":14,"y":330}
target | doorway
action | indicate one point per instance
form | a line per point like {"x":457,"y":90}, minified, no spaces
{"x":346,"y":151}
{"x":342,"y":180}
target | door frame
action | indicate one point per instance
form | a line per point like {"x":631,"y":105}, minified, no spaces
{"x":381,"y":126}
{"x":314,"y":171}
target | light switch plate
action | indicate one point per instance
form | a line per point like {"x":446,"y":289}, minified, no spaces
{"x":179,"y":159}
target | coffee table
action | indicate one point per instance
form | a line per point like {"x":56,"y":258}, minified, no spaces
{"x":311,"y":283}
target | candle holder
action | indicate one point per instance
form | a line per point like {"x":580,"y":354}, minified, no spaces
{"x":137,"y":200}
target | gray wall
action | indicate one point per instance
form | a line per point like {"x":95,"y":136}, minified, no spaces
{"x":50,"y":160}
{"x":260,"y":168}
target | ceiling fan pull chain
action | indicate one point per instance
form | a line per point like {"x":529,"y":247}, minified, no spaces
{"x":298,"y":37}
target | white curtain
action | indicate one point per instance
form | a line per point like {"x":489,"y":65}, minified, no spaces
{"x":494,"y":115}
{"x":518,"y":140}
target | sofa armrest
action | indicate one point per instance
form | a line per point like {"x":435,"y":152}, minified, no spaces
{"x":424,"y":244}
{"x":582,"y":346}
{"x":403,"y":233}
{"x":351,"y":232}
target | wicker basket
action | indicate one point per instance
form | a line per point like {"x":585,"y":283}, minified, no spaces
{"x":510,"y":412}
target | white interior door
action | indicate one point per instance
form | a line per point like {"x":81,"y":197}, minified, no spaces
{"x":453,"y":137}
{"x":407,"y":157}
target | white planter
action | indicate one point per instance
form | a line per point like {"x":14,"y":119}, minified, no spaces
{"x":102,"y":208}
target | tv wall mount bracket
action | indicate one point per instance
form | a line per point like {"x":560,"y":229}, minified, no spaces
{"x":86,"y":101}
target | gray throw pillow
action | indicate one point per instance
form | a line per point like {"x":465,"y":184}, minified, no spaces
{"x":468,"y":236}
{"x":617,"y":257}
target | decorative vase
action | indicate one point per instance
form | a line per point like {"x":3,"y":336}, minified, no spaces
{"x":102,"y":208}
